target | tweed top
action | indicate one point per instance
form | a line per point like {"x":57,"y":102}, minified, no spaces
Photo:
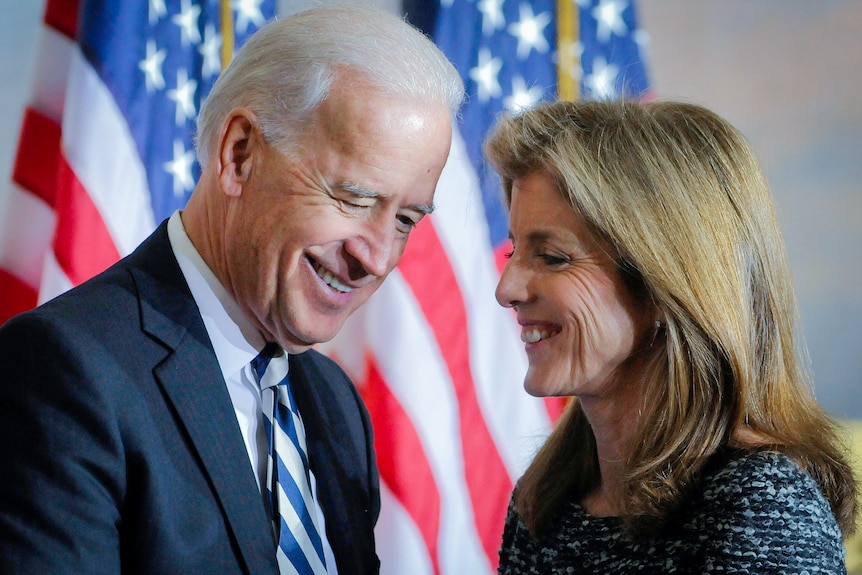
{"x":756,"y":514}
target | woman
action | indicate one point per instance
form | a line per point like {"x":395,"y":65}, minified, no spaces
{"x":649,"y":276}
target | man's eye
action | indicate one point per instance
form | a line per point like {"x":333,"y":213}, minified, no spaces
{"x":406,"y":223}
{"x":347,"y":205}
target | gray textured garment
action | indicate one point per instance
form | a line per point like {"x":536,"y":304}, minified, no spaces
{"x":758,"y":513}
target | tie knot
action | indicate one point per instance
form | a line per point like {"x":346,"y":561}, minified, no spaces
{"x":260,"y":363}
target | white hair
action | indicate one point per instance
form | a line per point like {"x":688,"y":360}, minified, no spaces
{"x":286,"y":69}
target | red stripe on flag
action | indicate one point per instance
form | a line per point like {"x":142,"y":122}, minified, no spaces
{"x":38,"y":154}
{"x":556,"y":406}
{"x":396,"y":442}
{"x":62,"y":15}
{"x":82,"y":244}
{"x":426,"y":268}
{"x":17,"y":296}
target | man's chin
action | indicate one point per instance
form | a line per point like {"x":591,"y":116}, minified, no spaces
{"x":300,"y":342}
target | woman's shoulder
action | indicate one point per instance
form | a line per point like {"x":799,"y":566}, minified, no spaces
{"x":761,"y":502}
{"x":764,"y":481}
{"x":762,"y":475}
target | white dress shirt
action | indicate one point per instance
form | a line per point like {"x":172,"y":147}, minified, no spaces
{"x":236,"y":342}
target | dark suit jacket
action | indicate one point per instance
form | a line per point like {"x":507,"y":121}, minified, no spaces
{"x":120,"y":447}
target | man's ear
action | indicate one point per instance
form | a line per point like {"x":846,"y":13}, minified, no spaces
{"x":238,"y":142}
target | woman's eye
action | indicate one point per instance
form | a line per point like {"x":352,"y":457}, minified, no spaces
{"x":553,"y":260}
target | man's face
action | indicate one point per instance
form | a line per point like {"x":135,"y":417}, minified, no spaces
{"x":313,"y":235}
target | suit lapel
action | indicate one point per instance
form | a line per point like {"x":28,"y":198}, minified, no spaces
{"x":192,"y":380}
{"x":205,"y":409}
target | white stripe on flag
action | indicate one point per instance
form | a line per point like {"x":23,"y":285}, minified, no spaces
{"x":399,"y":542}
{"x":25,"y":236}
{"x":517,"y":421}
{"x":410,"y":363}
{"x":99,"y":148}
{"x":54,"y":279}
{"x":51,"y":73}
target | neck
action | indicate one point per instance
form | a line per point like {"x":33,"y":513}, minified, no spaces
{"x":614,"y":423}
{"x":204,"y":221}
{"x":196,"y":221}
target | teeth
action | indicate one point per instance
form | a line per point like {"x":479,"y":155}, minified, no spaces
{"x":534,"y":335}
{"x":331,"y":280}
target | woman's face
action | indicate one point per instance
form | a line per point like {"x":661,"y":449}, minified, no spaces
{"x":579,"y":322}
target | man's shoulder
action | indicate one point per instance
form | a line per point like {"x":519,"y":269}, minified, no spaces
{"x":323,"y":378}
{"x":101,"y":296}
{"x":109,"y":297}
{"x":316,"y":364}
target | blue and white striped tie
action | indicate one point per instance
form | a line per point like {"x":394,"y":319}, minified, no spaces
{"x":293,"y":513}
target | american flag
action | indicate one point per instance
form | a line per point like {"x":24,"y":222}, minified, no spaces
{"x":439,"y":363}
{"x":105,"y":151}
{"x":104,"y":154}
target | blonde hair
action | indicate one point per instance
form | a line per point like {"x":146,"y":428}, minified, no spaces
{"x":678,"y":194}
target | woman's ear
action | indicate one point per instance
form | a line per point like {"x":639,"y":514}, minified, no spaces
{"x":235,"y":152}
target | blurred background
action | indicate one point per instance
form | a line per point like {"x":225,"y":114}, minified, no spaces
{"x":786,"y":72}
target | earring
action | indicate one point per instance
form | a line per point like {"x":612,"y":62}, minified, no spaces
{"x":658,"y":327}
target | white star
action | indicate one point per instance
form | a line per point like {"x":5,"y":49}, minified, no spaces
{"x":485,"y":75}
{"x":522,"y":98}
{"x":247,"y":11}
{"x":210,"y":49}
{"x":184,"y":97}
{"x":157,"y":10}
{"x":187,"y":20}
{"x":151,"y":66}
{"x":573,"y":51}
{"x":492,"y":15}
{"x":642,"y":39}
{"x":609,"y":18}
{"x":181,"y":169}
{"x":602,"y":79}
{"x":530,"y":31}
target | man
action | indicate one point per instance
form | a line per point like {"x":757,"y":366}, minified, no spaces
{"x":134,"y":428}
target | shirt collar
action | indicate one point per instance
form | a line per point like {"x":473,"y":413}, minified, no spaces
{"x":235,"y":340}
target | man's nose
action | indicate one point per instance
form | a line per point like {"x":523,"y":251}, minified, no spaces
{"x":372,"y":250}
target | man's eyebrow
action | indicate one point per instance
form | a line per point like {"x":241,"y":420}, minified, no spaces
{"x":358,"y":190}
{"x":362,"y":192}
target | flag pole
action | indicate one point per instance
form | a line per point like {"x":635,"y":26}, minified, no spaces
{"x":227,"y":34}
{"x":567,"y":38}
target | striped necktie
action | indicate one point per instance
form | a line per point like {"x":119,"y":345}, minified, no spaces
{"x":293,"y":513}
